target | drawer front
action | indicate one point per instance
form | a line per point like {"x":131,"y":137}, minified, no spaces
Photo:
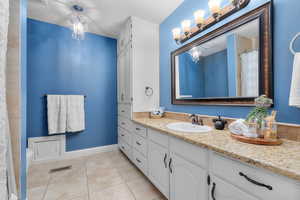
{"x":139,"y":130}
{"x":125,"y":135}
{"x":124,"y":110}
{"x":140,"y":161}
{"x":125,"y":123}
{"x":158,"y":137}
{"x":125,"y":148}
{"x":190,"y":152}
{"x":140,"y":144}
{"x":237,"y":174}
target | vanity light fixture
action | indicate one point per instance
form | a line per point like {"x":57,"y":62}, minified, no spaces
{"x":186,"y":27}
{"x":215,"y":8}
{"x":199,"y":18}
{"x":218,"y":13}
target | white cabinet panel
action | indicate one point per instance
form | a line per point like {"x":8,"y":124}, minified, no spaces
{"x":187,"y":180}
{"x":127,"y":75}
{"x":158,"y":167}
{"x":220,"y":190}
{"x":265,"y":184}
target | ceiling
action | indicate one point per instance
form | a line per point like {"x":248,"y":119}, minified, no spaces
{"x":249,"y":30}
{"x":107,"y":15}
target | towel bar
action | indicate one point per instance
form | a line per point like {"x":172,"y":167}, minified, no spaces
{"x":62,"y":94}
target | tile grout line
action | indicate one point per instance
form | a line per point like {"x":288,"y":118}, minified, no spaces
{"x":47,"y":186}
{"x":87,"y":180}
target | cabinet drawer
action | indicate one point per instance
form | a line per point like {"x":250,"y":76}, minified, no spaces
{"x":127,"y":150}
{"x":125,"y":135}
{"x":237,"y":174}
{"x":158,"y":137}
{"x":190,"y":152}
{"x":139,"y":130}
{"x":125,"y":123}
{"x":124,"y":110}
{"x":140,"y":161}
{"x":140,"y":144}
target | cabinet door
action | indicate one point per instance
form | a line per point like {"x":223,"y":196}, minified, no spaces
{"x":158,"y":167}
{"x":221,"y":190}
{"x":127,"y":74}
{"x":121,"y":77}
{"x":187,"y":181}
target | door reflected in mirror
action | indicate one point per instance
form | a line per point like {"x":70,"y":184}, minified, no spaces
{"x":226,"y":66}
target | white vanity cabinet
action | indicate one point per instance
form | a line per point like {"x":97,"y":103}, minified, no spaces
{"x":187,"y":180}
{"x":181,"y":170}
{"x":158,"y":159}
{"x":221,"y":190}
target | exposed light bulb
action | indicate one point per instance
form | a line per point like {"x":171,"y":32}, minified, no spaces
{"x":186,"y":26}
{"x":214,"y":7}
{"x":199,"y":17}
{"x":78,"y":27}
{"x":176,"y":33}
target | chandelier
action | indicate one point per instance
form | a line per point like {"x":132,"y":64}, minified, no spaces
{"x":78,"y":23}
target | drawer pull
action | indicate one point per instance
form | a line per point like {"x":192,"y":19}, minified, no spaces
{"x":170,"y":166}
{"x":138,"y":129}
{"x":123,"y":147}
{"x":138,"y":143}
{"x":122,"y":111}
{"x":123,"y":123}
{"x":165,"y":161}
{"x":255,"y":182}
{"x":122,"y":135}
{"x":138,"y":160}
{"x":213,"y":191}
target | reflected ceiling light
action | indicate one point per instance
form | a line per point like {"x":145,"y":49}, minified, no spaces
{"x":78,"y":24}
{"x":195,"y":53}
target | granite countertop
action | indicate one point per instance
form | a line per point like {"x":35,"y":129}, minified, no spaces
{"x":283,"y":159}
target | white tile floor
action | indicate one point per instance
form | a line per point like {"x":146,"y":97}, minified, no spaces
{"x":103,"y":176}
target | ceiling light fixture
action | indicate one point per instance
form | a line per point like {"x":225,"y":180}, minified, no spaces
{"x":78,"y":24}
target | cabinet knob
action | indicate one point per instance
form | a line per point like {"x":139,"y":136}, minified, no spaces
{"x":138,"y":160}
{"x":138,"y":143}
{"x":138,"y":129}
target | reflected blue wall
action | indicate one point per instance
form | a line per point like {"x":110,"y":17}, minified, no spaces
{"x":232,"y":63}
{"x":284,"y":11}
{"x":215,"y":70}
{"x":58,"y":64}
{"x":205,"y":78}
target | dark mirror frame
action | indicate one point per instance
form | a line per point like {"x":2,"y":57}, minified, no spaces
{"x":264,"y":14}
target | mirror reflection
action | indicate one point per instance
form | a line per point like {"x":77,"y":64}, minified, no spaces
{"x":226,"y":66}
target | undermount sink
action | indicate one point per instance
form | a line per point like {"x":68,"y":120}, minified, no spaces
{"x":188,"y":127}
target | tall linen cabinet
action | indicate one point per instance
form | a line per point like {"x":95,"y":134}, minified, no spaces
{"x":138,"y":67}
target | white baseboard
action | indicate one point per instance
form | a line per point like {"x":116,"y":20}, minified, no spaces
{"x":79,"y":153}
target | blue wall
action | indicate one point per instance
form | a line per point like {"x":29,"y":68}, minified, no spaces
{"x":205,"y":78}
{"x":215,"y":74}
{"x":284,"y":11}
{"x":191,"y":76}
{"x":58,"y":64}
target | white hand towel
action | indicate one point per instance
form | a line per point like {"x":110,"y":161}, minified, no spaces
{"x":295,"y":85}
{"x":75,"y":113}
{"x":238,"y":127}
{"x":57,"y":114}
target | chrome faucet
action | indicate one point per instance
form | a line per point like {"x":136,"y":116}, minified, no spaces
{"x":196,"y":119}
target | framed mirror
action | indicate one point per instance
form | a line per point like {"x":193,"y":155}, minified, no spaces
{"x":231,"y":65}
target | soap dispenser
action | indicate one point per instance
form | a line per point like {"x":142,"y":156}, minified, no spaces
{"x":219,"y":123}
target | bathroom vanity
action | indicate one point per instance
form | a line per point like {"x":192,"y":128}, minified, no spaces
{"x":209,"y":165}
